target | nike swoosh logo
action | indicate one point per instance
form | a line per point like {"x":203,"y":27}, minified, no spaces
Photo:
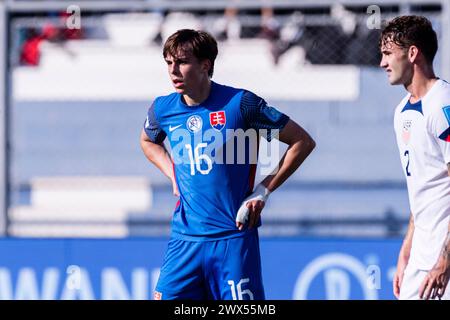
{"x":173,"y":128}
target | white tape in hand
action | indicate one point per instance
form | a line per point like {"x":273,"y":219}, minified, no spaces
{"x":260,"y":193}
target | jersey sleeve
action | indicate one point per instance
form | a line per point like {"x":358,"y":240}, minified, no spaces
{"x":258,"y":115}
{"x":440,"y":128}
{"x":152,"y":126}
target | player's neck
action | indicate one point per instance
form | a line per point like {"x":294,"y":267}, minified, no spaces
{"x":422,"y":81}
{"x":195,"y":98}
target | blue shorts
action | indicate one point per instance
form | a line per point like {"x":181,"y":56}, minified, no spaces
{"x":228,"y":269}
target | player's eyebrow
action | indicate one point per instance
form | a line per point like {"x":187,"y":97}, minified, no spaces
{"x":386,"y":49}
{"x":177,"y":59}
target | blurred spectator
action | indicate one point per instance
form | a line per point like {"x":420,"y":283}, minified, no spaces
{"x":289,"y":36}
{"x":56,"y":33}
{"x":342,"y":42}
{"x":346,"y":19}
{"x":228,"y":27}
{"x":30,"y":52}
{"x":270,"y":27}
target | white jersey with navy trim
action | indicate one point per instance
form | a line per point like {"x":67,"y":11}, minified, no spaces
{"x":423,"y":136}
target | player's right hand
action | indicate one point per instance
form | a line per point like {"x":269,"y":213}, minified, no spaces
{"x":397,"y":283}
{"x":398,"y":277}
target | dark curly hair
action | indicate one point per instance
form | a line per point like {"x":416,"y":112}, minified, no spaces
{"x":200,"y":43}
{"x":406,"y":31}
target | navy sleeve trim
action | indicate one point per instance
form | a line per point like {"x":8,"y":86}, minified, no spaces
{"x":152,"y":126}
{"x":258,"y":115}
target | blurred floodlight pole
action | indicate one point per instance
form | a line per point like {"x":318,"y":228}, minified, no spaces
{"x":3,"y":118}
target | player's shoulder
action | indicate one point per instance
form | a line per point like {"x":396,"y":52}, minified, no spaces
{"x":437,"y":108}
{"x":442,"y":95}
{"x":162,"y":104}
{"x":226,"y":90}
{"x":166,"y":99}
{"x":226,"y":95}
{"x":250,"y":98}
{"x":439,"y":100}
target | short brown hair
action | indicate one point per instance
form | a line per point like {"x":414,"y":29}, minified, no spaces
{"x":200,"y":43}
{"x":406,"y":31}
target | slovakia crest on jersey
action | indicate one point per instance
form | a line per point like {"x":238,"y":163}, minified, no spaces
{"x":194,"y":123}
{"x":218,"y":120}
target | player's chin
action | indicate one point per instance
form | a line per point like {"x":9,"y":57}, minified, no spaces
{"x":395,"y":81}
{"x":179,"y":90}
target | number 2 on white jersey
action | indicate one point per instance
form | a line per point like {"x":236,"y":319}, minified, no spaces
{"x":406,"y":154}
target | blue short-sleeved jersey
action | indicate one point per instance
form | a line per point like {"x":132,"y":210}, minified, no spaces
{"x":211,"y":187}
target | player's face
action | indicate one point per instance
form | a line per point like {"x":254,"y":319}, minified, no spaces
{"x":394,"y":60}
{"x":187,"y":73}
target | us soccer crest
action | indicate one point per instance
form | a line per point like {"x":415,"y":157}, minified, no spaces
{"x":406,"y":134}
{"x":218,"y":120}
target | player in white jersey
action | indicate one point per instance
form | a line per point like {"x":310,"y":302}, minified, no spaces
{"x":422,"y":126}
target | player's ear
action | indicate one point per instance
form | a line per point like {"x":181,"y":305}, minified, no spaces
{"x":206,"y":65}
{"x":413,"y":52}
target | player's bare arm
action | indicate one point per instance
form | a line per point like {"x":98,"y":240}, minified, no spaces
{"x":158,"y":155}
{"x":403,"y":257}
{"x":434,"y":284}
{"x":300,"y":146}
{"x":436,"y":281}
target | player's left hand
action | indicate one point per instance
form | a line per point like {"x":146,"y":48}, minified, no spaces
{"x":434,"y":284}
{"x":251,"y":207}
{"x":254,"y":212}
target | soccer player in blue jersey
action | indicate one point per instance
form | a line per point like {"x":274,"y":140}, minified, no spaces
{"x":213,"y":252}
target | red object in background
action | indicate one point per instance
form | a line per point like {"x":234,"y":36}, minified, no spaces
{"x":30,"y":54}
{"x":49,"y":32}
{"x":69,"y":34}
{"x":72,"y":34}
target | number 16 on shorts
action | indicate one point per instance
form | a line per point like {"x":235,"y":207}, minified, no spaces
{"x":237,"y":292}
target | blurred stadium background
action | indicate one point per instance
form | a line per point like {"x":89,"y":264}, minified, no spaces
{"x":78,"y":78}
